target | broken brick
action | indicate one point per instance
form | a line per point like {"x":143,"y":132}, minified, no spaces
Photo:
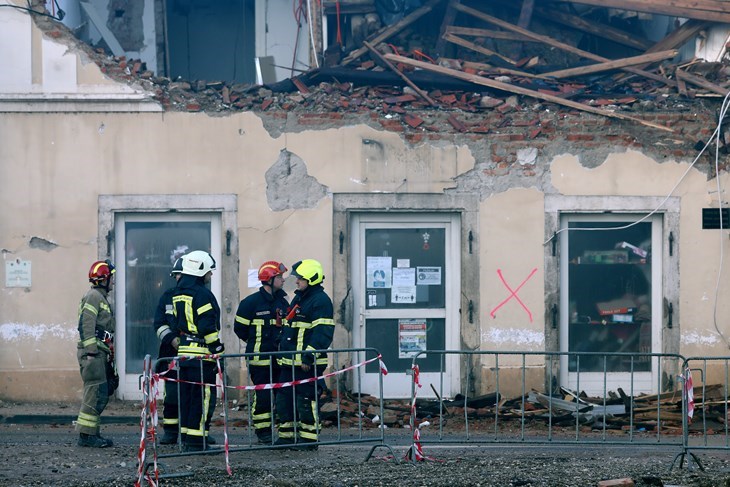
{"x":266,"y":103}
{"x":456,"y":123}
{"x":413,"y":120}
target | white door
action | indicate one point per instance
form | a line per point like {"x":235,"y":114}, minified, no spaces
{"x":406,"y":279}
{"x":146,"y":247}
{"x":610,"y":300}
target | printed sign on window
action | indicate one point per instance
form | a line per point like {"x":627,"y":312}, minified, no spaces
{"x":411,"y":337}
{"x":378,"y":270}
{"x":428,"y":276}
{"x":403,"y":295}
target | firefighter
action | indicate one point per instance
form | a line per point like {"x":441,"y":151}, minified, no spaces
{"x":259,"y":320}
{"x":169,"y":336}
{"x":197,"y":317}
{"x":95,"y":353}
{"x":309,"y":326}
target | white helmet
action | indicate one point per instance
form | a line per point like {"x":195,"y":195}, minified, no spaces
{"x":197,"y":263}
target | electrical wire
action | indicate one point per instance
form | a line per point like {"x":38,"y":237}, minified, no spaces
{"x":61,"y":14}
{"x":311,"y":33}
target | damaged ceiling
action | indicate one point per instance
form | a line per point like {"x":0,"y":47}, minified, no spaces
{"x":494,"y":57}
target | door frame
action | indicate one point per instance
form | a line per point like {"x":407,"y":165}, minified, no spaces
{"x":360,"y":222}
{"x":669,"y":208}
{"x":129,"y":382}
{"x":224,"y":205}
{"x":592,"y":382}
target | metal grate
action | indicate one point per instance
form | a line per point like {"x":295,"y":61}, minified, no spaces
{"x":711,"y":218}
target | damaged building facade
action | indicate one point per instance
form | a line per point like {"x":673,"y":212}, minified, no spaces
{"x":489,"y":221}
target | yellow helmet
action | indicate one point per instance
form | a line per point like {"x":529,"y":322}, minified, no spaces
{"x":308,"y":269}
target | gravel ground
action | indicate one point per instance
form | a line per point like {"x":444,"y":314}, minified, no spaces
{"x":46,"y":454}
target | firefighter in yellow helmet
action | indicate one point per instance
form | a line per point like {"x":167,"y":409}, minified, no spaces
{"x":197,"y":317}
{"x":259,"y":320}
{"x":309,"y":326}
{"x":95,"y":353}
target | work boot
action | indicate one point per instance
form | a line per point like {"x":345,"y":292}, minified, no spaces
{"x":169,"y":437}
{"x":286,"y":442}
{"x":94,"y":441}
{"x":210,"y":439}
{"x":264,"y":437}
{"x":304,"y":445}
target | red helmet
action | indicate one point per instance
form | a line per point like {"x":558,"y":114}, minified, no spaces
{"x":270,"y":269}
{"x":100,"y":271}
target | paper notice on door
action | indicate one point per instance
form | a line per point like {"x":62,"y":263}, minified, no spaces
{"x":403,"y":294}
{"x":428,"y":276}
{"x":411,"y":337}
{"x":378,"y":271}
{"x":404,"y":277}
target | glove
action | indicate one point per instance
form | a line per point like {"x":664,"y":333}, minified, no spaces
{"x":308,"y":359}
{"x":216,"y":347}
{"x":175,"y":342}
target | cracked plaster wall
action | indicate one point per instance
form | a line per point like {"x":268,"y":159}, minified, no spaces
{"x":285,"y":210}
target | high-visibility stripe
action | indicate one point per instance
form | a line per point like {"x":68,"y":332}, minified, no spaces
{"x":88,"y":420}
{"x":90,"y":308}
{"x":105,"y":307}
{"x":211,"y":337}
{"x":188,"y":302}
{"x":163,"y":331}
{"x":200,"y":431}
{"x":204,"y":308}
{"x":241,"y":320}
{"x":170,"y":421}
{"x":88,"y":341}
{"x":324,"y":321}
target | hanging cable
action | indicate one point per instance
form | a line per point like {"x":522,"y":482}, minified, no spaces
{"x":315,"y":54}
{"x":339,"y":29}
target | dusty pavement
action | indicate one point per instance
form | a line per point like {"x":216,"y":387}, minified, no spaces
{"x":38,"y":447}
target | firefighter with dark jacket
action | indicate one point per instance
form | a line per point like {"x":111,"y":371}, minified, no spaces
{"x":95,"y":353}
{"x":310,"y":326}
{"x":259,"y":320}
{"x":197,"y":317}
{"x":169,"y":336}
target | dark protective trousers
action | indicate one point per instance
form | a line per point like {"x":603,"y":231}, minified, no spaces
{"x":297,"y":407}
{"x":197,"y":402}
{"x":262,"y":400}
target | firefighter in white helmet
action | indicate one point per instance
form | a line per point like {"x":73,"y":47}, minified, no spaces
{"x":197,"y":317}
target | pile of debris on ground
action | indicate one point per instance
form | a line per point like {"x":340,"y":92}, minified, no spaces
{"x":617,"y":411}
{"x":485,"y":55}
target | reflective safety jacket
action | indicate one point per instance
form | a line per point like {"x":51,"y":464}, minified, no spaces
{"x":311,"y":328}
{"x":259,"y":321}
{"x":96,"y":321}
{"x":164,"y":324}
{"x":197,"y":316}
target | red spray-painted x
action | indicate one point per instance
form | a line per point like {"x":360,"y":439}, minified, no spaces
{"x":513,"y":294}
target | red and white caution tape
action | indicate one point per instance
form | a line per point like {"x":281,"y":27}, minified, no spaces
{"x":689,"y":394}
{"x":149,"y":406}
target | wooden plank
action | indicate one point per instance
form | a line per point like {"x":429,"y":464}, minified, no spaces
{"x":712,"y":10}
{"x":449,"y":18}
{"x":560,"y":45}
{"x":610,"y":65}
{"x":526,"y":13}
{"x":391,"y":30}
{"x":474,"y":47}
{"x":518,"y":90}
{"x":494,"y":69}
{"x":594,"y":28}
{"x":492,"y":34}
{"x":678,"y":36}
{"x":390,"y":66}
{"x":701,"y":82}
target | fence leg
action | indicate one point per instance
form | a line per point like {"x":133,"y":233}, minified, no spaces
{"x":690,"y":458}
{"x":372,"y":450}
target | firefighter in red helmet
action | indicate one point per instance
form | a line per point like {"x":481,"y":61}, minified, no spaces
{"x":95,"y":353}
{"x":259,"y":321}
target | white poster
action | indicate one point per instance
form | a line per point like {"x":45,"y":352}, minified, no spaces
{"x":253,"y":278}
{"x":429,"y":276}
{"x":411,"y":337}
{"x":404,"y":277}
{"x":403,"y":295}
{"x":378,"y":271}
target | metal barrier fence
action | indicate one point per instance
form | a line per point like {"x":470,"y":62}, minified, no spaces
{"x":573,"y":422}
{"x":340,"y":362}
{"x":705,"y":415}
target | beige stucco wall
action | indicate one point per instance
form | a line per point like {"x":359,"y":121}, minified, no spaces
{"x":54,"y":166}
